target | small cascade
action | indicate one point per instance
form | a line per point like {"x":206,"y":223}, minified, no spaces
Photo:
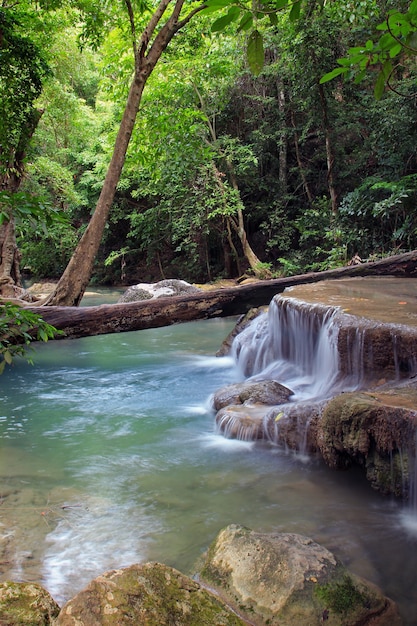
{"x":319,"y":351}
{"x":295,"y":343}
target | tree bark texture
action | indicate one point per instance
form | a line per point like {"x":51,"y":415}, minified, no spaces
{"x":115,"y":318}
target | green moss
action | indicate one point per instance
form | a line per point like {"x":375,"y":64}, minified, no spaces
{"x":341,"y":596}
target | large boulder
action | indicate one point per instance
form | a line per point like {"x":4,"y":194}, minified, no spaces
{"x":150,"y":595}
{"x":26,"y":604}
{"x":287,"y":579}
{"x":162,"y":289}
{"x":268,"y":392}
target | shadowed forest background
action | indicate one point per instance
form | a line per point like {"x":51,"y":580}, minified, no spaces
{"x":313,"y":174}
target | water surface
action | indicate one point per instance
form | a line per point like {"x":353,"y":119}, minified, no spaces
{"x":109,"y":457}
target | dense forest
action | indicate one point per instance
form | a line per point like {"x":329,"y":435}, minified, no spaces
{"x":270,"y":140}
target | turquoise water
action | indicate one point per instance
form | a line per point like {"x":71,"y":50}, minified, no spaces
{"x":109,"y":456}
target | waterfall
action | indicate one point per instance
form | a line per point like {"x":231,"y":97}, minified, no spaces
{"x":295,"y":343}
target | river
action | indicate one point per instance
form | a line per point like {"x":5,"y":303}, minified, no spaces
{"x":109,"y":456}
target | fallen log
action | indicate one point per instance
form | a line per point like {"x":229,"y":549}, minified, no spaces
{"x":155,"y":313}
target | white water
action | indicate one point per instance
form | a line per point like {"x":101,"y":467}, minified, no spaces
{"x":294,"y":345}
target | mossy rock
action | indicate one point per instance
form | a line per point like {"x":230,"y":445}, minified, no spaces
{"x":286,"y":579}
{"x":151,"y":594}
{"x":26,"y":604}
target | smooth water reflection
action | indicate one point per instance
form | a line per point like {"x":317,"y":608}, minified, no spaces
{"x":109,"y":457}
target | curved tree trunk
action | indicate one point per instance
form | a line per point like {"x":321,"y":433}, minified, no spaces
{"x":71,"y":287}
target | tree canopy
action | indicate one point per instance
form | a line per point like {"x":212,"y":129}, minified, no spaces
{"x":258,"y":125}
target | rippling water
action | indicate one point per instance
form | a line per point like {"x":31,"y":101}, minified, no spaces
{"x":109,"y":457}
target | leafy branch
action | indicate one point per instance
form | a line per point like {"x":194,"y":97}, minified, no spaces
{"x":398,"y":41}
{"x":19,"y":327}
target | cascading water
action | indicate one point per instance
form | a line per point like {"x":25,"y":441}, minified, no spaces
{"x":296,"y":343}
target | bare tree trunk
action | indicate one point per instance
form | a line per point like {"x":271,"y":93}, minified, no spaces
{"x":71,"y":287}
{"x":331,"y":181}
{"x":299,"y":161}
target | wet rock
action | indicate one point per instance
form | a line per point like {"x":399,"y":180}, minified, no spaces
{"x":267,"y":392}
{"x":286,"y":579}
{"x":294,"y":426}
{"x":241,"y":422}
{"x":151,"y":594}
{"x":375,"y":430}
{"x":26,"y":604}
{"x":162,"y":289}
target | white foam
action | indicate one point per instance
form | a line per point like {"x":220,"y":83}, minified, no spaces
{"x":408,"y":520}
{"x":212,"y":440}
{"x":90,"y":540}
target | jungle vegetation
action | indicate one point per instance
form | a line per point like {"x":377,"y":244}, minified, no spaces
{"x":268,"y":138}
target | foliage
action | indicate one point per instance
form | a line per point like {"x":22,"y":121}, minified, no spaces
{"x":389,"y":54}
{"x":19,"y":327}
{"x":23,"y":69}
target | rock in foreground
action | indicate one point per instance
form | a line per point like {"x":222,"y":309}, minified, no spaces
{"x":26,"y":604}
{"x":151,"y":594}
{"x":289,"y":580}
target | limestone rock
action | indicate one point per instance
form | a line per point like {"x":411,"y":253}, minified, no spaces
{"x":162,"y":289}
{"x":151,"y":594}
{"x":287,"y":579}
{"x":26,"y":604}
{"x":241,"y":422}
{"x":375,"y":430}
{"x":268,"y":392}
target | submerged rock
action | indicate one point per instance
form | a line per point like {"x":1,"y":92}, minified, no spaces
{"x":287,"y":579}
{"x":26,"y":604}
{"x":150,"y":595}
{"x":162,"y":289}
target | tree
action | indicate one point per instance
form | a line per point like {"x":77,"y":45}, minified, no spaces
{"x":22,"y":71}
{"x":19,"y":327}
{"x":147,"y":50}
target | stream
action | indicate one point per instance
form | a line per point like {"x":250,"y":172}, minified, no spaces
{"x":109,"y":456}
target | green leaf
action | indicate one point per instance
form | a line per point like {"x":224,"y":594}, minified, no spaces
{"x":255,"y":52}
{"x":379,"y":85}
{"x":295,"y":11}
{"x":330,"y":75}
{"x":246,"y":22}
{"x":7,"y":357}
{"x":43,"y":336}
{"x":395,"y":50}
{"x":223,"y":21}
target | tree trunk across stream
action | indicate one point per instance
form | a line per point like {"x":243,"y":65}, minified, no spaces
{"x":225,"y":302}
